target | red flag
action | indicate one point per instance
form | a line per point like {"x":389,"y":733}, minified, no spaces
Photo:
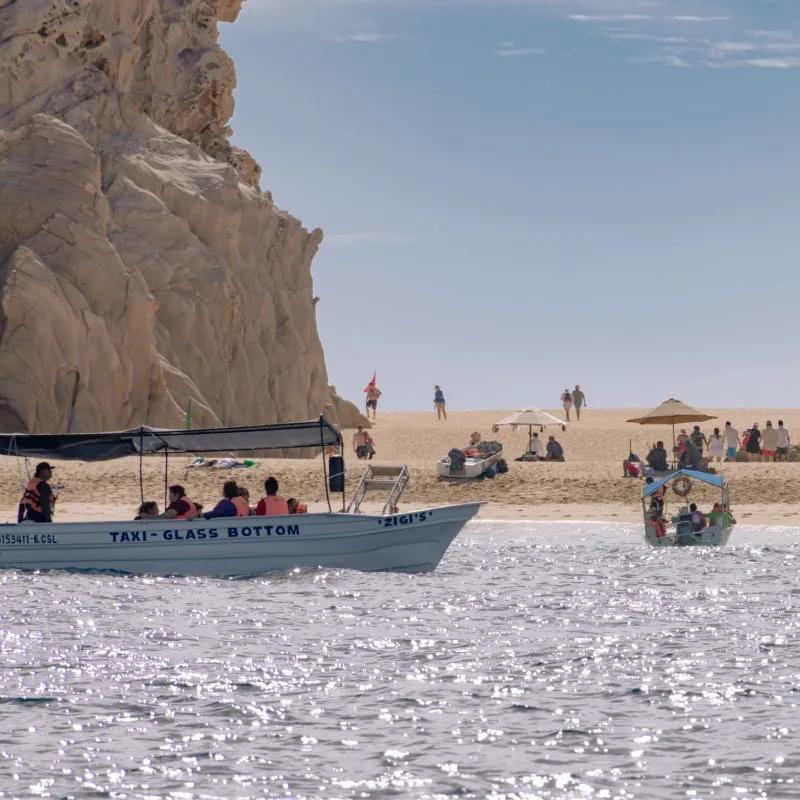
{"x":372,"y":383}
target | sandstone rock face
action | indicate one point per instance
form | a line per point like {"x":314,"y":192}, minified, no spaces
{"x":140,"y":263}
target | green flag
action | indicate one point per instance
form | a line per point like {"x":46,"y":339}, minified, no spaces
{"x":189,"y":415}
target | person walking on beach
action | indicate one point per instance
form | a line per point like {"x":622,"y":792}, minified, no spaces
{"x":579,"y":398}
{"x":769,"y":442}
{"x":566,"y":401}
{"x":698,"y":439}
{"x":753,"y":445}
{"x":439,"y":403}
{"x":782,"y":453}
{"x":732,"y":441}
{"x":715,"y":446}
{"x":373,"y":393}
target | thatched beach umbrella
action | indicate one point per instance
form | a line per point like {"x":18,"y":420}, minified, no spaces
{"x":672,"y":412}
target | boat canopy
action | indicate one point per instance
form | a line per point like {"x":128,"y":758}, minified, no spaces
{"x":703,"y":477}
{"x":144,"y":440}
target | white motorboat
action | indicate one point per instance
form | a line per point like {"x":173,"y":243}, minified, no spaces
{"x":663,"y":530}
{"x":472,"y":469}
{"x":230,"y":546}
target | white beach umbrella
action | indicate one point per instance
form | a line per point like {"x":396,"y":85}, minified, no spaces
{"x":531,"y":417}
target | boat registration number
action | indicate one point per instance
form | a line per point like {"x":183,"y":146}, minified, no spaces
{"x":28,"y":538}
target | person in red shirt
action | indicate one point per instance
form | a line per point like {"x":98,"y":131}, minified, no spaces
{"x":273,"y":504}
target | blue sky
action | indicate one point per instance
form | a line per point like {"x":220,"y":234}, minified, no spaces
{"x":520,"y":195}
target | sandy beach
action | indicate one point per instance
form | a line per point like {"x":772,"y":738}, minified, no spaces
{"x":588,"y":486}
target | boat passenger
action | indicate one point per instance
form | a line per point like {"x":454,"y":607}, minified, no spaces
{"x":273,"y":504}
{"x":226,"y":507}
{"x":721,"y":516}
{"x":180,"y":506}
{"x":295,"y":507}
{"x":38,"y":501}
{"x":147,"y":509}
{"x":658,"y":523}
{"x":657,"y":498}
{"x":699,"y":521}
{"x":244,"y":494}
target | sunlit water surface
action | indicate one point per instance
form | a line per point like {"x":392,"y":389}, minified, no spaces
{"x":541,"y":660}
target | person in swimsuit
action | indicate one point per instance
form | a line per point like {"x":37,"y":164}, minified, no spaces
{"x":567,"y":402}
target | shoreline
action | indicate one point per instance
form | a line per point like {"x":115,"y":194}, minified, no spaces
{"x":763,"y":514}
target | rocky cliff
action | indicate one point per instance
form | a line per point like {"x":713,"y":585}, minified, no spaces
{"x":140,"y":263}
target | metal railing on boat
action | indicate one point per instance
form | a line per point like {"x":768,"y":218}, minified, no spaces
{"x":380,"y":479}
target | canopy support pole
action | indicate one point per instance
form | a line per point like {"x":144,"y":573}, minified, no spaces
{"x":141,"y":456}
{"x":166,"y":477}
{"x":324,"y":464}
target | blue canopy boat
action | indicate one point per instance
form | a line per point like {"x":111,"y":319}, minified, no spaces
{"x":678,"y":530}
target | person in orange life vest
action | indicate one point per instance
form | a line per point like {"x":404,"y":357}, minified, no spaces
{"x":273,"y":504}
{"x":658,"y":522}
{"x":231,"y":504}
{"x":244,"y":494}
{"x":38,"y":501}
{"x":180,"y":506}
{"x":296,"y":507}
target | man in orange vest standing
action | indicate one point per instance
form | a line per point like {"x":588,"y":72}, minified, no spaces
{"x":38,"y":501}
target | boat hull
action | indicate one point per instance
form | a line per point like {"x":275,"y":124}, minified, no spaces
{"x":472,"y":470}
{"x":412,"y":542}
{"x":709,"y":537}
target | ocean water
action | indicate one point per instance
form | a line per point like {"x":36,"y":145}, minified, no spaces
{"x":541,"y":660}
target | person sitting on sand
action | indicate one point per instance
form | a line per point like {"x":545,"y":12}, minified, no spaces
{"x":231,"y":504}
{"x":555,"y":452}
{"x":147,"y":509}
{"x":273,"y":504}
{"x":657,"y":458}
{"x":536,"y":446}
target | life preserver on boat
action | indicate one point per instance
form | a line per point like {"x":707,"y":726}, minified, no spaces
{"x":682,"y":486}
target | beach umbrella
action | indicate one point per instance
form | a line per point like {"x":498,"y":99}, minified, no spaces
{"x":531,"y":417}
{"x":672,"y":412}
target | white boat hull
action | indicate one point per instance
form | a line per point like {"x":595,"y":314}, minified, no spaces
{"x":412,"y":542}
{"x":472,"y":470}
{"x":713,"y":536}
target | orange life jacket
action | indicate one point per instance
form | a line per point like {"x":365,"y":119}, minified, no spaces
{"x":661,"y":528}
{"x":302,"y":508}
{"x":31,"y":497}
{"x":192,"y":512}
{"x":242,"y":509}
{"x":275,"y":506}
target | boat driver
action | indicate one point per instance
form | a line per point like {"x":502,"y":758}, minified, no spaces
{"x":38,"y":502}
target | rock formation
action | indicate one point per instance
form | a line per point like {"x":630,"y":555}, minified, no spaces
{"x":140,"y":263}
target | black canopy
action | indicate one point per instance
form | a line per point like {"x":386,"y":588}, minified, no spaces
{"x":105,"y":446}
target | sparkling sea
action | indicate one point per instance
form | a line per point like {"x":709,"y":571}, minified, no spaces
{"x":540,"y":660}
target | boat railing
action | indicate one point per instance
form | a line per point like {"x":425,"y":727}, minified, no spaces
{"x":377,"y":478}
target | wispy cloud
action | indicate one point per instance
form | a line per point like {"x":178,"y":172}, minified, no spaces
{"x":366,"y":37}
{"x":511,"y":50}
{"x":367,"y":238}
